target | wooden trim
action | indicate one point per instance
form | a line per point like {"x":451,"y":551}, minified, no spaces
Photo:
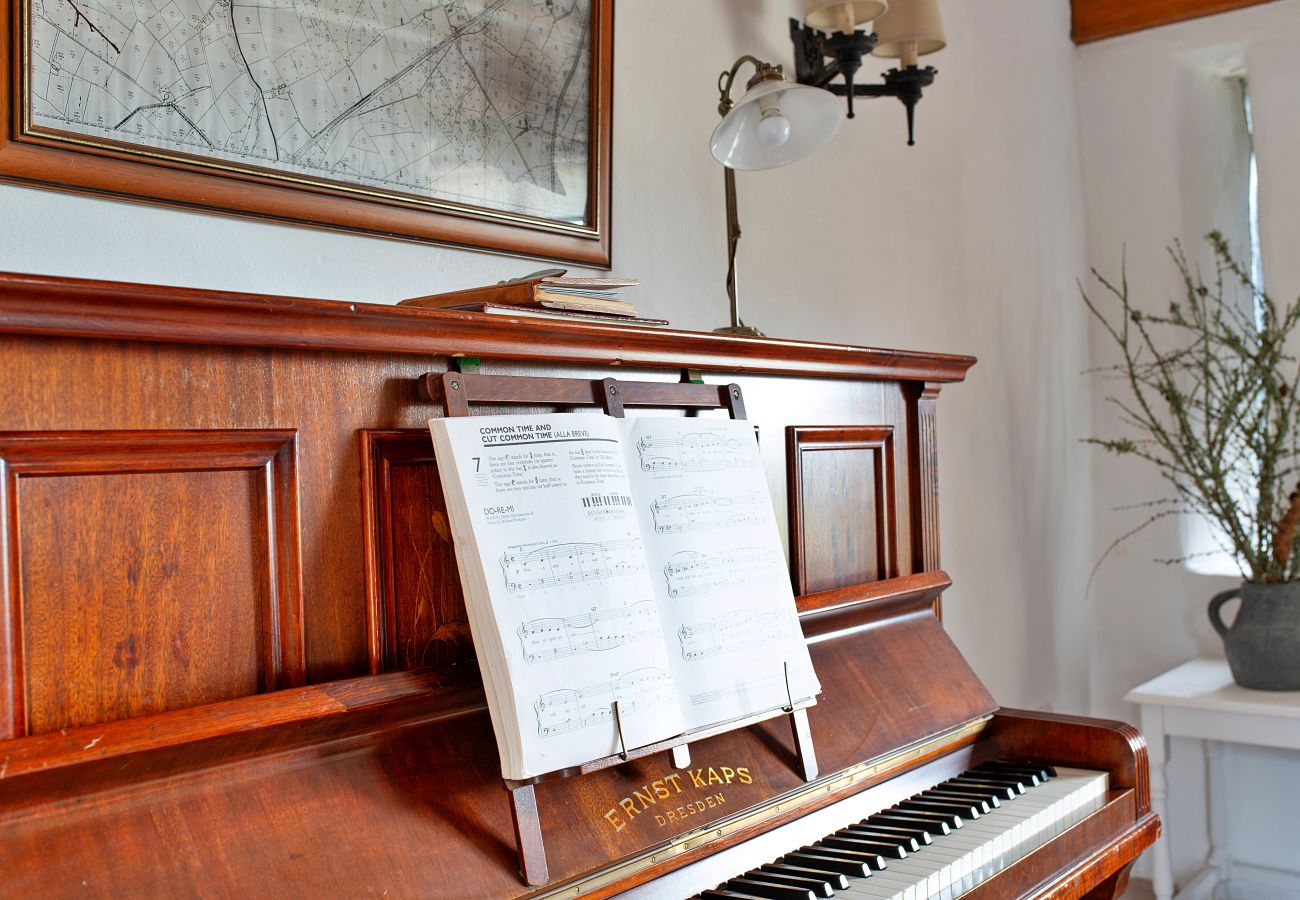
{"x":274,"y":453}
{"x":73,"y":307}
{"x":877,"y":439}
{"x":128,"y":751}
{"x":1095,"y":20}
{"x":1079,"y":741}
{"x":381,"y":451}
{"x":106,"y":168}
{"x":925,"y":479}
{"x":841,"y":611}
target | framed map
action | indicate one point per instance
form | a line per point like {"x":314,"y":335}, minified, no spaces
{"x":480,"y":123}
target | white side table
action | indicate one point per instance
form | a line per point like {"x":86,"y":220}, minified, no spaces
{"x":1199,"y":700}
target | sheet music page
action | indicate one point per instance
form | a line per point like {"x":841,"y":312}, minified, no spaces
{"x":718,"y":567}
{"x":571,"y":603}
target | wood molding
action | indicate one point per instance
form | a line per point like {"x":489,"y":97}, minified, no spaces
{"x":1095,"y":20}
{"x":924,"y":488}
{"x":876,"y":440}
{"x":74,"y":307}
{"x":415,"y":610}
{"x":269,"y":456}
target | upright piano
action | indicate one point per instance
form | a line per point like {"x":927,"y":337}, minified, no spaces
{"x":234,"y":657}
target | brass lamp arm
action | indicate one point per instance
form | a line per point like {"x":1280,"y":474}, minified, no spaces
{"x":762,"y":72}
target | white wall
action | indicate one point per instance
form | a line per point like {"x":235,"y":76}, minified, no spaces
{"x":1162,"y":160}
{"x":968,"y":242}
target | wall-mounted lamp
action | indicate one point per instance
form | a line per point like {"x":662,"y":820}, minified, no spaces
{"x":829,"y":46}
{"x":775,"y":123}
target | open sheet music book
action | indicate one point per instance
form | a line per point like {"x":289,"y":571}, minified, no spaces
{"x":630,"y":560}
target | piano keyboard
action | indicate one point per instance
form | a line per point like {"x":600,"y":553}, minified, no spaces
{"x":938,"y":843}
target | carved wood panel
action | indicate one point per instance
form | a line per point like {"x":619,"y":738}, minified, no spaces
{"x":842,"y":505}
{"x":110,"y":610}
{"x":416,"y":608}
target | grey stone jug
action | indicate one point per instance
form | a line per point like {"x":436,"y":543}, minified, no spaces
{"x":1263,"y":642}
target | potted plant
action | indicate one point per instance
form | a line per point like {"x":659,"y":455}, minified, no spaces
{"x":1210,"y":399}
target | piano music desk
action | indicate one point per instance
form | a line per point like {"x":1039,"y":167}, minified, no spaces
{"x":1199,"y":700}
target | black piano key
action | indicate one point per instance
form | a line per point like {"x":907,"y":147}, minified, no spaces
{"x":962,"y":810}
{"x":1044,"y":773}
{"x":1001,"y":792}
{"x":906,"y":819}
{"x":990,"y":801}
{"x":1007,"y":789}
{"x":1032,"y":776}
{"x":1021,"y":783}
{"x":834,"y":879}
{"x":822,"y":862}
{"x":726,"y":895}
{"x":768,"y":890}
{"x":952,"y":820}
{"x":907,"y":842}
{"x":873,"y":861}
{"x":820,"y":887}
{"x":892,"y":851}
{"x":917,"y":833}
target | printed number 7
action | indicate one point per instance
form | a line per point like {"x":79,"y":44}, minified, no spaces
{"x":477,"y":463}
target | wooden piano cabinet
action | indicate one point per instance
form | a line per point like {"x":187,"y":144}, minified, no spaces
{"x":234,"y":656}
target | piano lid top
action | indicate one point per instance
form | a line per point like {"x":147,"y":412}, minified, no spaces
{"x":75,"y":307}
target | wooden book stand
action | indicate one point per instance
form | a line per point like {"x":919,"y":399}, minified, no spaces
{"x":460,"y":389}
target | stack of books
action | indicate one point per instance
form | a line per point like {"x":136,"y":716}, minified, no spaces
{"x":546,"y":295}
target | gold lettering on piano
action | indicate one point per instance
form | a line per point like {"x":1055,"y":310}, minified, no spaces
{"x":649,"y":795}
{"x":687,"y":810}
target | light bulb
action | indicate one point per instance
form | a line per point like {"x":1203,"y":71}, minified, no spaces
{"x":773,"y":128}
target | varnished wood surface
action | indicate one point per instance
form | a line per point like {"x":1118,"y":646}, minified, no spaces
{"x":226,"y":554}
{"x":1095,"y":20}
{"x":35,"y":304}
{"x":395,"y":806}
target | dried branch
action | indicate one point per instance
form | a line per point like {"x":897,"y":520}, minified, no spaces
{"x":1213,"y":399}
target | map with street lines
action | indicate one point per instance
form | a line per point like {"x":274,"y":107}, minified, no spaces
{"x":480,"y":103}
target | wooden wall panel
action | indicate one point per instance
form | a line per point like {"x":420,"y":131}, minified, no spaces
{"x":843,"y":506}
{"x":1094,"y":20}
{"x":147,"y":571}
{"x":416,"y":609}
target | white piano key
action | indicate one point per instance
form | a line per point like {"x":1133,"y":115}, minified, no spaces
{"x":958,"y":861}
{"x":955,"y":863}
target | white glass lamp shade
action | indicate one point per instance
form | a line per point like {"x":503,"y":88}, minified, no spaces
{"x":836,"y":15}
{"x":911,"y":27}
{"x":775,"y":124}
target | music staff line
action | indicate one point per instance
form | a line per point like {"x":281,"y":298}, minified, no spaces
{"x":549,"y":639}
{"x":692,"y":573}
{"x":571,"y":709}
{"x":570,"y":563}
{"x":739,"y":629}
{"x":701,"y":451}
{"x":703,"y":510}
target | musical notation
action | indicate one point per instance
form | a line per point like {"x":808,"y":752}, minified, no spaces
{"x":697,"y":573}
{"x":556,"y":638}
{"x":751,"y":686}
{"x":736,"y":630}
{"x":701,"y":451}
{"x":702,"y":509}
{"x":558,"y":564}
{"x":570,"y":709}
